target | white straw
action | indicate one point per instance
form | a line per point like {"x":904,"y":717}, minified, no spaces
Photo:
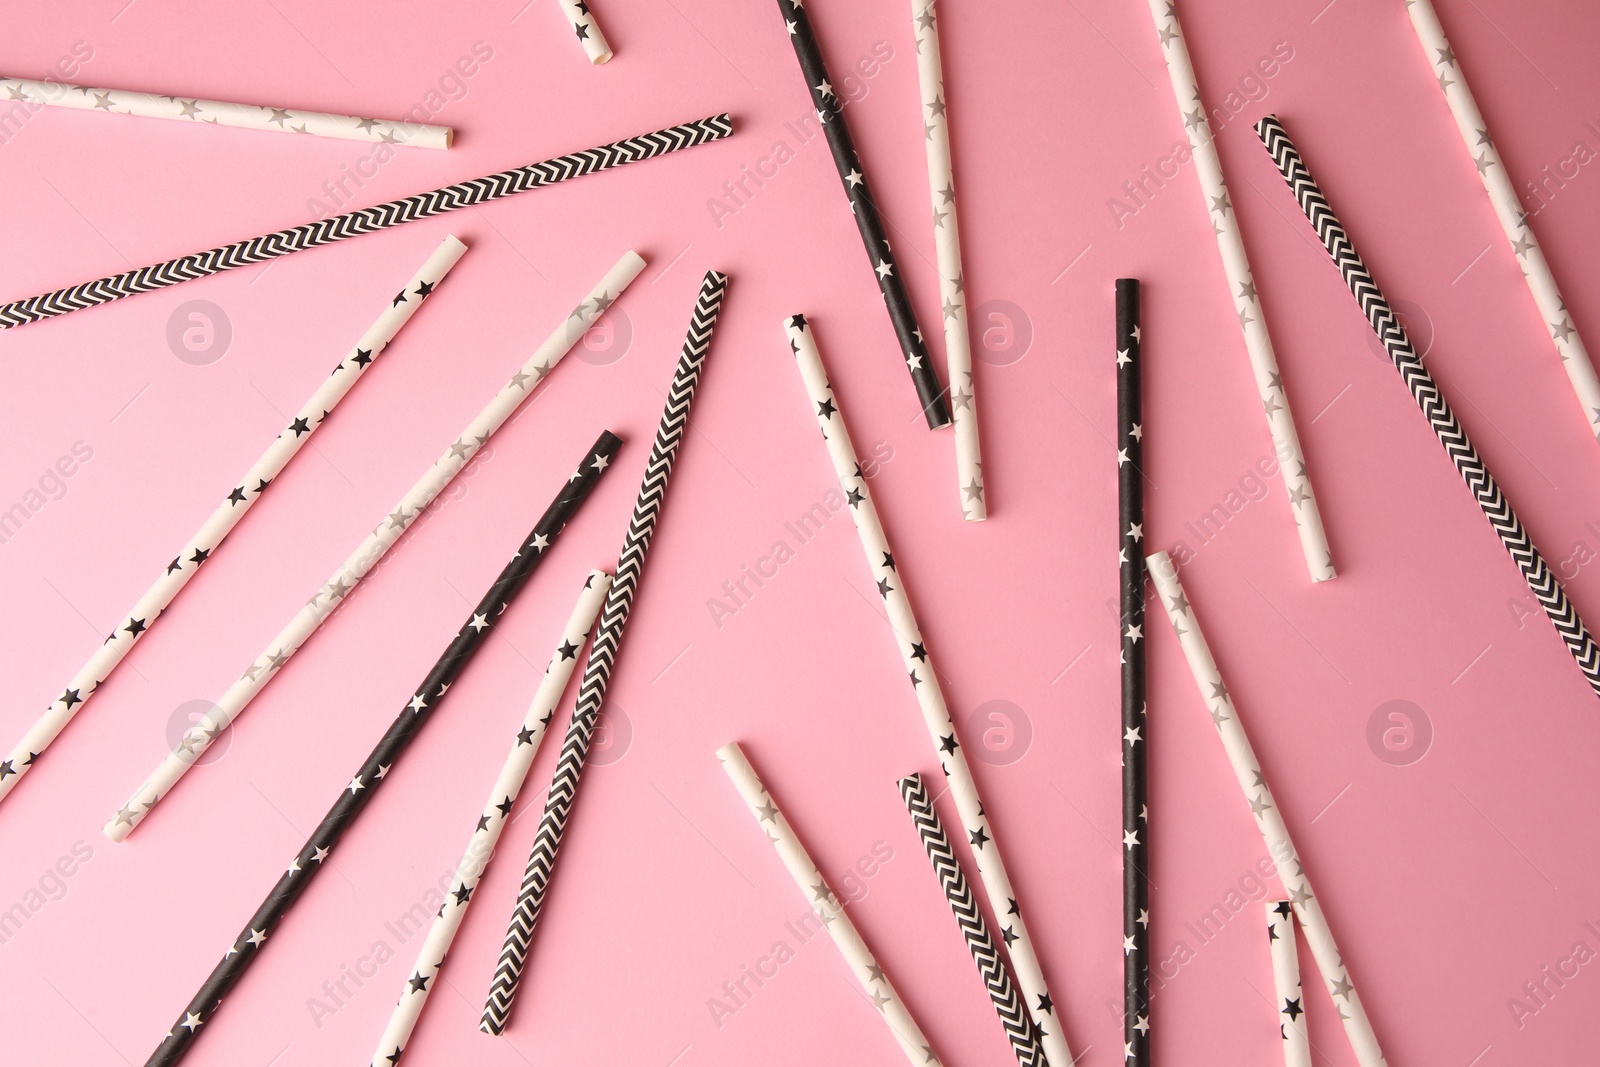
{"x":581,"y":15}
{"x":1285,"y":951}
{"x":221,"y":113}
{"x":366,"y":556}
{"x":826,"y":905}
{"x":495,"y":817}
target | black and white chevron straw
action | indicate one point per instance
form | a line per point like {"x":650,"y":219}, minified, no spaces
{"x":1496,"y":508}
{"x":365,"y":220}
{"x":830,"y":115}
{"x":472,"y":636}
{"x":602,"y":655}
{"x":958,"y":891}
{"x":1130,"y":563}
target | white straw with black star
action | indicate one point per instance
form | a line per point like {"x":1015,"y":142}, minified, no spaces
{"x":1286,"y":982}
{"x":1491,"y":501}
{"x":924,"y":681}
{"x":947,"y":256}
{"x":602,"y":655}
{"x":187,"y":563}
{"x":578,"y":13}
{"x":366,"y":220}
{"x":830,"y":115}
{"x":220,"y":113}
{"x":366,"y":556}
{"x":370,"y":776}
{"x":1268,"y":816}
{"x":496,"y":815}
{"x":1130,"y":565}
{"x":826,"y":906}
{"x":1242,"y":287}
{"x":1508,"y":209}
{"x":969,"y":916}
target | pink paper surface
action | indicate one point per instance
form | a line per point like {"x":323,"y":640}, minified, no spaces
{"x":1451,"y":880}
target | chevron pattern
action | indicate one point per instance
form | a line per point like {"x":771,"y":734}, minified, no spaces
{"x":1423,"y":390}
{"x":996,"y":975}
{"x":602,"y":656}
{"x":366,"y":220}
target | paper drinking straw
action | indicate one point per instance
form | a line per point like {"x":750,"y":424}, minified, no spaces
{"x":369,"y":777}
{"x":996,"y":975}
{"x":830,"y":115}
{"x":365,"y":220}
{"x":947,"y":255}
{"x":602,"y":655}
{"x":496,"y":814}
{"x":366,"y":556}
{"x":1269,"y":817}
{"x":1241,"y":283}
{"x":925,"y":684}
{"x":588,"y":30}
{"x":826,"y":905}
{"x":187,"y":563}
{"x":1508,"y":208}
{"x":1286,"y":980}
{"x":1496,"y":508}
{"x":218,"y":113}
{"x":1130,"y":564}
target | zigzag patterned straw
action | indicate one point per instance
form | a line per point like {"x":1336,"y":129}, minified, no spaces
{"x":924,"y":681}
{"x":1236,"y":265}
{"x":369,"y":778}
{"x":496,"y":815}
{"x":359,"y":563}
{"x":602,"y":656}
{"x":996,"y":975}
{"x":1268,"y":815}
{"x":243,"y":496}
{"x":1285,"y":950}
{"x":1496,"y":508}
{"x":366,"y":220}
{"x":1508,"y":208}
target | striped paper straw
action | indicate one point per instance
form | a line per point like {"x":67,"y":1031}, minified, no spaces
{"x":1130,"y":568}
{"x":602,"y":655}
{"x":826,"y":906}
{"x":187,"y":563}
{"x":366,"y":556}
{"x":886,"y":272}
{"x":1268,"y":816}
{"x":947,"y":255}
{"x":587,"y":29}
{"x":1241,"y":283}
{"x":365,"y":220}
{"x":370,"y":776}
{"x":496,"y":815}
{"x":1496,"y":508}
{"x":220,"y":113}
{"x":996,"y":975}
{"x":1508,"y":209}
{"x":925,"y":684}
{"x":1286,"y":981}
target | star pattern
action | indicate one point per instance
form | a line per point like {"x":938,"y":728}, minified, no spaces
{"x":830,"y":116}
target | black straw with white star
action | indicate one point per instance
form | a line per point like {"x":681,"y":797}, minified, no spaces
{"x":1130,"y":561}
{"x":830,"y":116}
{"x":366,"y":220}
{"x":369,"y":777}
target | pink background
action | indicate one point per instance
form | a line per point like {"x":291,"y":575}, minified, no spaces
{"x":1450,"y":881}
